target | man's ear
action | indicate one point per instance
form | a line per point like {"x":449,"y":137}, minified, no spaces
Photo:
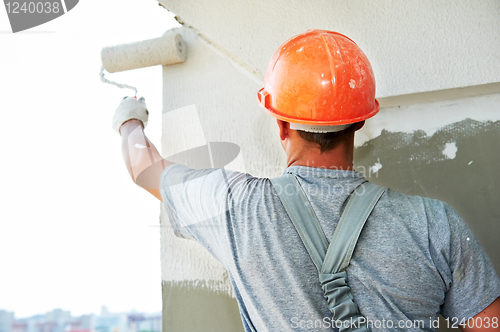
{"x":360,"y":125}
{"x":284,"y":127}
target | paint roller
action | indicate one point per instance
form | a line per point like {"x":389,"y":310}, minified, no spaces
{"x":166,"y":50}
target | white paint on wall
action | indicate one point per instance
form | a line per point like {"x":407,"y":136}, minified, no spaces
{"x":238,"y":63}
{"x":238,"y":164}
{"x":414,"y":46}
{"x":430,"y":116}
{"x":377,"y":167}
{"x":450,"y":150}
{"x":182,"y":129}
{"x":186,"y":263}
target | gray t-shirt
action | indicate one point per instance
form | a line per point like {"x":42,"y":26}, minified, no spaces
{"x":415,"y":257}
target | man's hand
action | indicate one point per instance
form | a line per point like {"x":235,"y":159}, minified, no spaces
{"x":141,"y":158}
{"x":130,"y":108}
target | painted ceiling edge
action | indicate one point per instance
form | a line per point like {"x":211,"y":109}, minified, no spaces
{"x":439,"y":95}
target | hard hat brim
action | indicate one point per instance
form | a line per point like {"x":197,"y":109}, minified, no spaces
{"x":263,"y":102}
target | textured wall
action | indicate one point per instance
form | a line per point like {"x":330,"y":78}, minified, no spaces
{"x":414,"y":46}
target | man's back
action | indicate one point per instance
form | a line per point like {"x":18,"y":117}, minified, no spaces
{"x":414,"y":257}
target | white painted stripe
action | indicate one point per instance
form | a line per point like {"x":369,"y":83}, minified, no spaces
{"x":430,"y":117}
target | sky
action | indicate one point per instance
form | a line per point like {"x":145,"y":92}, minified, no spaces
{"x":75,"y":232}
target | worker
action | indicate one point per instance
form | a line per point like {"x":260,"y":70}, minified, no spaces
{"x":413,"y":259}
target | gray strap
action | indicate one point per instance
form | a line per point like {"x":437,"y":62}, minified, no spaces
{"x":303,"y":217}
{"x":356,"y":212}
{"x":331,"y":266}
{"x":336,"y":257}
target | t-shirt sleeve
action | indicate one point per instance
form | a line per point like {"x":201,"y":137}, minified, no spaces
{"x":473,"y":283}
{"x":197,"y":202}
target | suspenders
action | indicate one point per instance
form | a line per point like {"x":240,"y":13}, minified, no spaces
{"x":332,"y":259}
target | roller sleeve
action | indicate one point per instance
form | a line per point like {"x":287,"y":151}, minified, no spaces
{"x":166,"y":50}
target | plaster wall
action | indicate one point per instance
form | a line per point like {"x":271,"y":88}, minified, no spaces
{"x":414,"y":46}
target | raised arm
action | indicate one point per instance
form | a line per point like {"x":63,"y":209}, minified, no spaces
{"x":143,"y":161}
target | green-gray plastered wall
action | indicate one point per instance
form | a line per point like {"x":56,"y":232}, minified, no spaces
{"x":190,"y":308}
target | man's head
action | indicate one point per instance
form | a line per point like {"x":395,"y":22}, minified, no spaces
{"x":320,"y":86}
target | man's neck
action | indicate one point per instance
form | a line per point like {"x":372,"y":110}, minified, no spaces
{"x":308,"y":155}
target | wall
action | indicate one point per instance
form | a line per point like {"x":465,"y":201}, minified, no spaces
{"x":437,"y":69}
{"x":418,"y":46}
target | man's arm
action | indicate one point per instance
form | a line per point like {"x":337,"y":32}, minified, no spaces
{"x":488,"y":319}
{"x":141,"y":157}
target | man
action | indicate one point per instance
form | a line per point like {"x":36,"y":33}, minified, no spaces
{"x":415,"y":257}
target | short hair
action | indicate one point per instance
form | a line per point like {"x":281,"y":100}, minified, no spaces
{"x":328,"y":141}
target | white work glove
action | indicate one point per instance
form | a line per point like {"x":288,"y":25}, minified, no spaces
{"x":130,"y":108}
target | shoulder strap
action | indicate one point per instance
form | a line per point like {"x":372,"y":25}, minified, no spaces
{"x":332,"y":264}
{"x":345,"y":238}
{"x":335,"y":257}
{"x":303,"y":217}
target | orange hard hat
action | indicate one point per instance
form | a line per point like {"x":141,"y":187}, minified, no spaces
{"x":319,"y":80}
